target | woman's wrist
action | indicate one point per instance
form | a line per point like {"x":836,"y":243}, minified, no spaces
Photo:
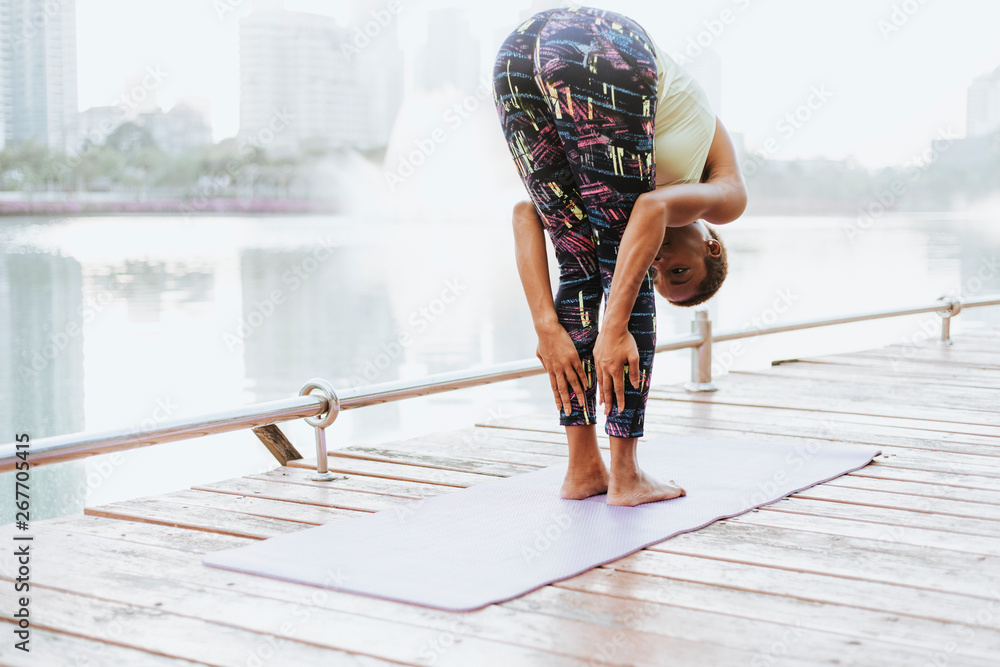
{"x":614,"y":325}
{"x":547,"y":324}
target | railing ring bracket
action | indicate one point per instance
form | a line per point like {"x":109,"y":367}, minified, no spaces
{"x":327,"y":391}
{"x":954,"y":307}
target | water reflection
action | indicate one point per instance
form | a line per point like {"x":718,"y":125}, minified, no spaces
{"x":41,"y":380}
{"x":306,"y":316}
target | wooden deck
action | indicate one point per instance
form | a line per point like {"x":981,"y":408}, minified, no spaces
{"x":895,"y":564}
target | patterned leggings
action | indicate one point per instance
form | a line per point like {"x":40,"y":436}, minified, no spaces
{"x":576,"y":94}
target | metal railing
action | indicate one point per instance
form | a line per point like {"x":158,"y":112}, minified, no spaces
{"x":321,"y":408}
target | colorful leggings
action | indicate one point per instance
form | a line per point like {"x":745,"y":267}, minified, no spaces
{"x":576,"y":94}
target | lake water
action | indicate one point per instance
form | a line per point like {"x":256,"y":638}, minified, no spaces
{"x":111,"y":322}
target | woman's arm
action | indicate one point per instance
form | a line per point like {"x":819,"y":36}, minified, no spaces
{"x":556,"y":349}
{"x":720,"y":199}
{"x":533,"y":267}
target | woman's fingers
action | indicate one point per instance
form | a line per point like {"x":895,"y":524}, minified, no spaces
{"x":567,"y":404}
{"x":620,"y":387}
{"x":555,"y":391}
{"x":577,"y":379}
{"x":634,"y":375}
{"x":606,"y":391}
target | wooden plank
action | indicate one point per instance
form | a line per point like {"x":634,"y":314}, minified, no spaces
{"x":484,"y":438}
{"x":400,"y":471}
{"x":170,"y":537}
{"x":283,"y":510}
{"x":333,"y":495}
{"x":176,"y":635}
{"x":952,"y":356}
{"x":873,"y":387}
{"x":923,"y":537}
{"x":881,"y":560}
{"x":896,"y":364}
{"x":858,"y":362}
{"x":880,"y":470}
{"x":145,"y":576}
{"x":969,"y":377}
{"x":927,"y":464}
{"x":938,"y":506}
{"x":923,"y":489}
{"x":377,"y":485}
{"x":48,"y":647}
{"x":874,"y":596}
{"x":876,"y":425}
{"x":153,"y":510}
{"x":885,"y":515}
{"x":792,"y":612}
{"x":971,"y":421}
{"x":276,"y":443}
{"x":411,"y":457}
{"x":488,"y":450}
{"x":841,"y":427}
{"x":836,"y":399}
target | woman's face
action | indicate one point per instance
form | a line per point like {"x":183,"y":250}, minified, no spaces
{"x":680,"y":262}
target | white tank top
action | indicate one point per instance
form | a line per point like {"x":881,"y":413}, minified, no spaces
{"x":684,"y":123}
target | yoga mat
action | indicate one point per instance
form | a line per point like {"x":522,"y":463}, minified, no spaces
{"x":500,"y":539}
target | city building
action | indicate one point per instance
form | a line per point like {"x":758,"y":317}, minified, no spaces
{"x":180,"y":129}
{"x":38,"y":89}
{"x":307,"y":82}
{"x":983,"y":113}
{"x":97,"y":123}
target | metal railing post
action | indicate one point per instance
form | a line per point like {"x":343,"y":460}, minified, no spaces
{"x":954,"y":308}
{"x":320,"y":422}
{"x":701,"y":356}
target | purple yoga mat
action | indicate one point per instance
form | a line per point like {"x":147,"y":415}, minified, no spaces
{"x":500,"y":539}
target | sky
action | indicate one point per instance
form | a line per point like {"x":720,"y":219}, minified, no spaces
{"x":873,"y":81}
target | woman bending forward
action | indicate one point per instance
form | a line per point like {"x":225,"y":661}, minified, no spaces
{"x":624,"y":162}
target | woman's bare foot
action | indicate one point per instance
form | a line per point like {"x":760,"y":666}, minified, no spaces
{"x":639,"y":488}
{"x":585,"y":481}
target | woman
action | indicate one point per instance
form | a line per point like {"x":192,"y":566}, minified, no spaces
{"x":623,"y":160}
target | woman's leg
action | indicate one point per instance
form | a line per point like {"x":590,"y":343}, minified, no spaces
{"x":599,"y":74}
{"x":531,"y":134}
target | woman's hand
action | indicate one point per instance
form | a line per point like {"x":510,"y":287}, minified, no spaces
{"x":615,"y":347}
{"x":558,"y":355}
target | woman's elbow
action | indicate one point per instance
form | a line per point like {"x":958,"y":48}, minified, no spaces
{"x":735,"y":204}
{"x":524,"y":211}
{"x":740,"y":200}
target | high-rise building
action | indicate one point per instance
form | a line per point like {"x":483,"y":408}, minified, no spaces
{"x":451,"y":54}
{"x":984,"y":105}
{"x":38,"y":87}
{"x":305,"y":81}
{"x":5,"y":92}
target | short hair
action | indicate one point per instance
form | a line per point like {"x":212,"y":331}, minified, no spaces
{"x":716,"y":269}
